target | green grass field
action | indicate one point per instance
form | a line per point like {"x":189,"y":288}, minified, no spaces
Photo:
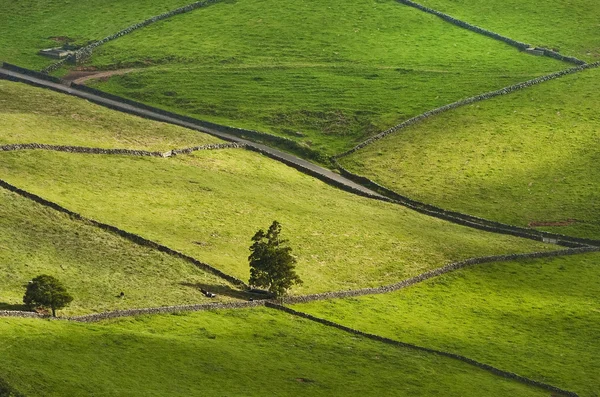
{"x":33,"y":115}
{"x":27,"y":26}
{"x":538,"y":318}
{"x":285,"y":68}
{"x":570,"y":26}
{"x":209,"y":205}
{"x":228,"y":353}
{"x":94,"y":265}
{"x":522,"y":158}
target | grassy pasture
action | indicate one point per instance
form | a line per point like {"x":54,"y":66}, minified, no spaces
{"x":209,"y":204}
{"x":33,"y":115}
{"x":94,"y":265}
{"x":234,"y":353}
{"x":27,"y":26}
{"x":522,"y":158}
{"x":570,"y":26}
{"x":538,"y":318}
{"x":326,"y":73}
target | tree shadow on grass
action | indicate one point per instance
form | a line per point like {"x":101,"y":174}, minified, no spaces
{"x":12,"y":306}
{"x":224,"y":290}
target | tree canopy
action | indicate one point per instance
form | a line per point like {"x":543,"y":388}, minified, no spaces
{"x":47,"y":292}
{"x":271,"y":262}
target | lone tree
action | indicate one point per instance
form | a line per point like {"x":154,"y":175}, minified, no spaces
{"x":47,"y":292}
{"x":271,"y":262}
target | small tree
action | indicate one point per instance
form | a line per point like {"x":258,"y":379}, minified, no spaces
{"x":47,"y":292}
{"x":271,"y":262}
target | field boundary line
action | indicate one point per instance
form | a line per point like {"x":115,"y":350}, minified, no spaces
{"x":346,"y":181}
{"x":86,"y":52}
{"x":137,"y":239}
{"x":470,"y":361}
{"x":451,"y":267}
{"x":128,"y":152}
{"x":466,"y":219}
{"x":518,"y":44}
{"x":467,"y":101}
{"x":312,"y":297}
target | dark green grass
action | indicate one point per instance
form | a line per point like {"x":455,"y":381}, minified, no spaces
{"x":570,"y":26}
{"x":33,"y":115}
{"x":526,"y":157}
{"x":326,"y":73}
{"x":254,"y":352}
{"x":94,"y":265}
{"x":27,"y":26}
{"x":538,"y":318}
{"x":211,"y":203}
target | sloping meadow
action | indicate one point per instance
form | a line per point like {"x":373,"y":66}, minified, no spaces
{"x":537,"y":318}
{"x":95,"y":266}
{"x":569,"y":26}
{"x":209,"y":204}
{"x":525,"y":159}
{"x":328,"y":73}
{"x":251,"y":352}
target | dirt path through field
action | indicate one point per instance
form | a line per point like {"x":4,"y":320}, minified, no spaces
{"x":81,"y":76}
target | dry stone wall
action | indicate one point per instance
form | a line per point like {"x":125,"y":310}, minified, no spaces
{"x":486,"y":367}
{"x":85,"y":52}
{"x":127,"y":235}
{"x":163,"y":310}
{"x":435,"y":273}
{"x":467,"y":101}
{"x":129,"y":152}
{"x":466,"y":219}
{"x":518,"y":44}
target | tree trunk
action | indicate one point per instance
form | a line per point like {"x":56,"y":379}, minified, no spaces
{"x":53,"y":312}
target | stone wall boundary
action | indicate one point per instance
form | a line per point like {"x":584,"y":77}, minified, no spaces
{"x":242,"y":133}
{"x":29,"y":72}
{"x":467,"y":101}
{"x":91,"y":318}
{"x":451,"y":267}
{"x":86,"y":52}
{"x":124,"y":234}
{"x":372,"y":189}
{"x":466,"y":219}
{"x":129,"y":152}
{"x":470,"y":361}
{"x":465,"y":25}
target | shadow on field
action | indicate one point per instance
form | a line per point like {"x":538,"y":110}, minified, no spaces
{"x":224,"y":291}
{"x":12,"y":306}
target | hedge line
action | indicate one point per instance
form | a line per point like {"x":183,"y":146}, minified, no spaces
{"x":468,"y":220}
{"x":434,"y":273}
{"x":122,"y":233}
{"x":518,"y":44}
{"x":467,"y":101}
{"x":486,"y":367}
{"x":129,"y":152}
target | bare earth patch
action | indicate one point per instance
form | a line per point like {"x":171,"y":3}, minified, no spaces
{"x":82,"y":75}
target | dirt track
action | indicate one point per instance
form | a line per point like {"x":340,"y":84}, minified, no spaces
{"x":81,"y":76}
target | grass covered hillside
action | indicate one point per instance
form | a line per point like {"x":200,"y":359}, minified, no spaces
{"x":326,"y":73}
{"x":570,"y":26}
{"x":33,"y":115}
{"x":245,"y":352}
{"x":209,"y":205}
{"x":538,"y":318}
{"x":94,"y":265}
{"x":526,"y":158}
{"x":27,"y":26}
